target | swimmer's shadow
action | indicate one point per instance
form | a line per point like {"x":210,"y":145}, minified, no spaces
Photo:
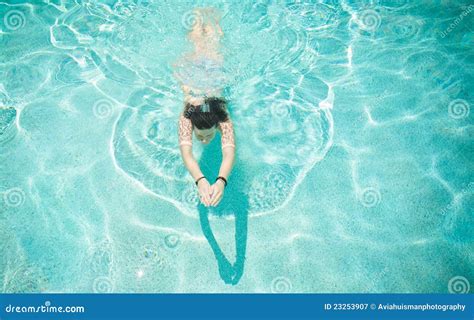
{"x":234,"y":202}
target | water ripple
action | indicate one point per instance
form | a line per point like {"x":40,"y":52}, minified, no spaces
{"x":8,"y":128}
{"x":145,"y":144}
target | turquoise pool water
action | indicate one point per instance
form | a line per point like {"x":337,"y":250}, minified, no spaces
{"x":354,"y":167}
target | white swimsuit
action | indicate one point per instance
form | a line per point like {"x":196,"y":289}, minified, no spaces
{"x":202,"y":73}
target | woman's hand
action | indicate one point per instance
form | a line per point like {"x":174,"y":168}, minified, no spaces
{"x":205,"y":191}
{"x":217,"y":190}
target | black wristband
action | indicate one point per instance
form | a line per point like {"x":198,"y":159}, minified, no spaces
{"x":223,"y":179}
{"x":197,"y":181}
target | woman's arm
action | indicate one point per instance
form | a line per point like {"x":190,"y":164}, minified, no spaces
{"x":186,"y":148}
{"x":228,"y":148}
{"x":228,"y":156}
{"x":189,"y":162}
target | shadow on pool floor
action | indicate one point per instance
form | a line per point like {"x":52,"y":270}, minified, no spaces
{"x":235,"y":201}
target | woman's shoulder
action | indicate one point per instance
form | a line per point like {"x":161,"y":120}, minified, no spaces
{"x":227,"y":124}
{"x":183,"y":120}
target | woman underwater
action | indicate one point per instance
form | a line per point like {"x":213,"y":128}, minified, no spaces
{"x":201,"y":75}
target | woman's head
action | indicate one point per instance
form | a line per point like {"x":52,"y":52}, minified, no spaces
{"x":206,"y":117}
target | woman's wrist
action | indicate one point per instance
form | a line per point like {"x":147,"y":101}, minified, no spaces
{"x":199,"y":179}
{"x":222,"y":179}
